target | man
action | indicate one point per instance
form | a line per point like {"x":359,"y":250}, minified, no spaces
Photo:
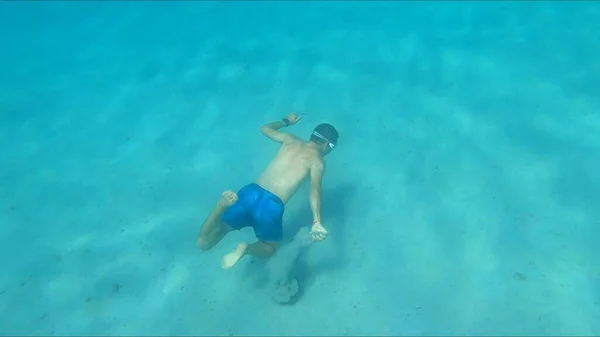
{"x":261,"y":204}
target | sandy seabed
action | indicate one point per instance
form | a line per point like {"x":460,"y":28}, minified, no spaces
{"x":461,"y":200}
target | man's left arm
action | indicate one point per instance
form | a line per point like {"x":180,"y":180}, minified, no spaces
{"x":271,"y":130}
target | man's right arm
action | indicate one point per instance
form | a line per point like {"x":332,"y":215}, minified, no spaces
{"x":318,"y":232}
{"x":316,"y":178}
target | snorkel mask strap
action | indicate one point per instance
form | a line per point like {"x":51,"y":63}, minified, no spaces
{"x":320,"y":136}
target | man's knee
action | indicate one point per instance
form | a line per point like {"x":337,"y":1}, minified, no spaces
{"x":204,"y":244}
{"x":271,"y":248}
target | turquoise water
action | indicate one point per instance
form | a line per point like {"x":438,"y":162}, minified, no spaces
{"x":462,"y":198}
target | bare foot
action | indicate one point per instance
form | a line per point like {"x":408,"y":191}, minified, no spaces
{"x":228,"y":198}
{"x":232,"y":258}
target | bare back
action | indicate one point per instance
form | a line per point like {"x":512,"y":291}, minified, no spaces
{"x":290,"y":167}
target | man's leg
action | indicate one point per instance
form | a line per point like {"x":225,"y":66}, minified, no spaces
{"x":267,"y":216}
{"x":213,"y":229}
{"x":262,"y":249}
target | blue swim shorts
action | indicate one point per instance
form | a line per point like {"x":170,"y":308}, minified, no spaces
{"x":260,"y":209}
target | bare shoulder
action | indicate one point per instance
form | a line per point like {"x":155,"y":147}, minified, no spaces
{"x":291,"y":138}
{"x":317,"y":163}
{"x":291,"y":141}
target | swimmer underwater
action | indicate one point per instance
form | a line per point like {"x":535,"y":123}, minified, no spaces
{"x":261,"y":204}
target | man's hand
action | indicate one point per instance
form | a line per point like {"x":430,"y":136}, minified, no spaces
{"x":293,"y":118}
{"x":318,"y":232}
{"x":271,"y":130}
